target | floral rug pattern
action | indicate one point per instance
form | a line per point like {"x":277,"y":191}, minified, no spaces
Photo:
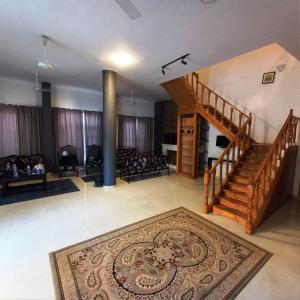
{"x":175,"y":255}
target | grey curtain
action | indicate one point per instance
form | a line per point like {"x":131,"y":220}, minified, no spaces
{"x":144,"y":134}
{"x":126,"y":131}
{"x":68,"y":129}
{"x":9,"y":139}
{"x":29,"y":130}
{"x":93,"y":127}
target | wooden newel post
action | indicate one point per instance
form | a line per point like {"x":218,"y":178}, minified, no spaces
{"x":206,"y":189}
{"x":249,"y":129}
{"x":250,"y":192}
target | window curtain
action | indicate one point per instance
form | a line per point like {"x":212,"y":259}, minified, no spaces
{"x":144,"y":134}
{"x":9,"y":139}
{"x":93,"y":127}
{"x":126,"y":131}
{"x":29,"y":130}
{"x":68,"y":129}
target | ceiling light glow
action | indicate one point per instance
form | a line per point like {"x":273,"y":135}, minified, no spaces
{"x":122,"y":59}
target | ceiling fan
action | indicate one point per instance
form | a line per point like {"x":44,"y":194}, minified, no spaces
{"x":129,"y":9}
{"x":44,"y":64}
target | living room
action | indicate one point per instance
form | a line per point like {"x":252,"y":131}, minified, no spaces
{"x":146,"y":152}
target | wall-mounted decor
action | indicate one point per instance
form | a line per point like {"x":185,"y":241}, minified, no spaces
{"x":268,"y":77}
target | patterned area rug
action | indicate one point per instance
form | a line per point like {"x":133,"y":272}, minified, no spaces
{"x":175,"y":255}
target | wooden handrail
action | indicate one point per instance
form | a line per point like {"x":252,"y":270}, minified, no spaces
{"x":242,"y":130}
{"x":271,"y":150}
{"x":242,"y":142}
{"x":262,"y":182}
{"x":196,"y":88}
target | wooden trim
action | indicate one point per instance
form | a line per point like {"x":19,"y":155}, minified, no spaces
{"x":178,"y":142}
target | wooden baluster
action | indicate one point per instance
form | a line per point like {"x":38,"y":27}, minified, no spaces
{"x":202,"y":94}
{"x":244,"y":141}
{"x":250,"y":193}
{"x":197,"y":82}
{"x":227,"y":166}
{"x":216,"y":104}
{"x":270,"y":173}
{"x":249,"y":129}
{"x":238,"y":149}
{"x":231,"y":115}
{"x":213,"y":188}
{"x":209,"y":93}
{"x":295,"y":130}
{"x":223,"y":109}
{"x":273,"y":165}
{"x":233,"y":157}
{"x":240,"y":120}
{"x":206,"y":191}
{"x":221,"y":175}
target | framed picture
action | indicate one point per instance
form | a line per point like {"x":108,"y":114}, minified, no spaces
{"x":268,"y":77}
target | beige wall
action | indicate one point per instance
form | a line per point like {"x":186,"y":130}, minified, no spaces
{"x":238,"y":80}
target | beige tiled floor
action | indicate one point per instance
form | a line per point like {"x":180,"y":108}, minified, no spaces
{"x":30,"y":230}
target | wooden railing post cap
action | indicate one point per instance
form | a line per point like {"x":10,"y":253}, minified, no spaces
{"x":291,"y":111}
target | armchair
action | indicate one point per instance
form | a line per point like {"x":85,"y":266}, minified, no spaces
{"x":68,"y":161}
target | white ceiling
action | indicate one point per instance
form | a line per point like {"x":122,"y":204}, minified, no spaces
{"x":84,"y":32}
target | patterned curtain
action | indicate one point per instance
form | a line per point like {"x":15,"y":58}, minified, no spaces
{"x":126,"y":131}
{"x":68,"y":129}
{"x":144,"y":134}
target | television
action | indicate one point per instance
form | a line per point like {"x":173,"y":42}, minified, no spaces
{"x":170,"y":138}
{"x":222,"y":141}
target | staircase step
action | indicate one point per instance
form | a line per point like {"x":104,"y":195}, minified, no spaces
{"x":230,"y":213}
{"x":252,"y":160}
{"x":242,"y":187}
{"x":232,"y":193}
{"x":241,"y":179}
{"x":249,"y":166}
{"x":234,"y":204}
{"x":245,"y":172}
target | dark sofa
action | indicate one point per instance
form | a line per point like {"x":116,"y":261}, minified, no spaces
{"x":27,"y":167}
{"x":141,"y":164}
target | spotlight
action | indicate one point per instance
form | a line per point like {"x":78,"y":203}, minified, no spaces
{"x":163,"y":71}
{"x":183,"y":62}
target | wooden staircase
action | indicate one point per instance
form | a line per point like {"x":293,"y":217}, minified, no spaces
{"x":192,"y":96}
{"x":232,"y":201}
{"x":240,"y":185}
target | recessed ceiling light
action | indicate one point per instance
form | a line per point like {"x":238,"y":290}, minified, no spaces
{"x":122,"y":59}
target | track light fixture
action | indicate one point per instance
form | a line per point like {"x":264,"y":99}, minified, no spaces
{"x":182,"y":58}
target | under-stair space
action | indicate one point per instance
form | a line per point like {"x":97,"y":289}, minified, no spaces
{"x":243,"y":182}
{"x":192,"y":141}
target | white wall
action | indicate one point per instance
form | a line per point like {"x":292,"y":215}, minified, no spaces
{"x":213,"y":150}
{"x":239,"y":79}
{"x":20,"y":92}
